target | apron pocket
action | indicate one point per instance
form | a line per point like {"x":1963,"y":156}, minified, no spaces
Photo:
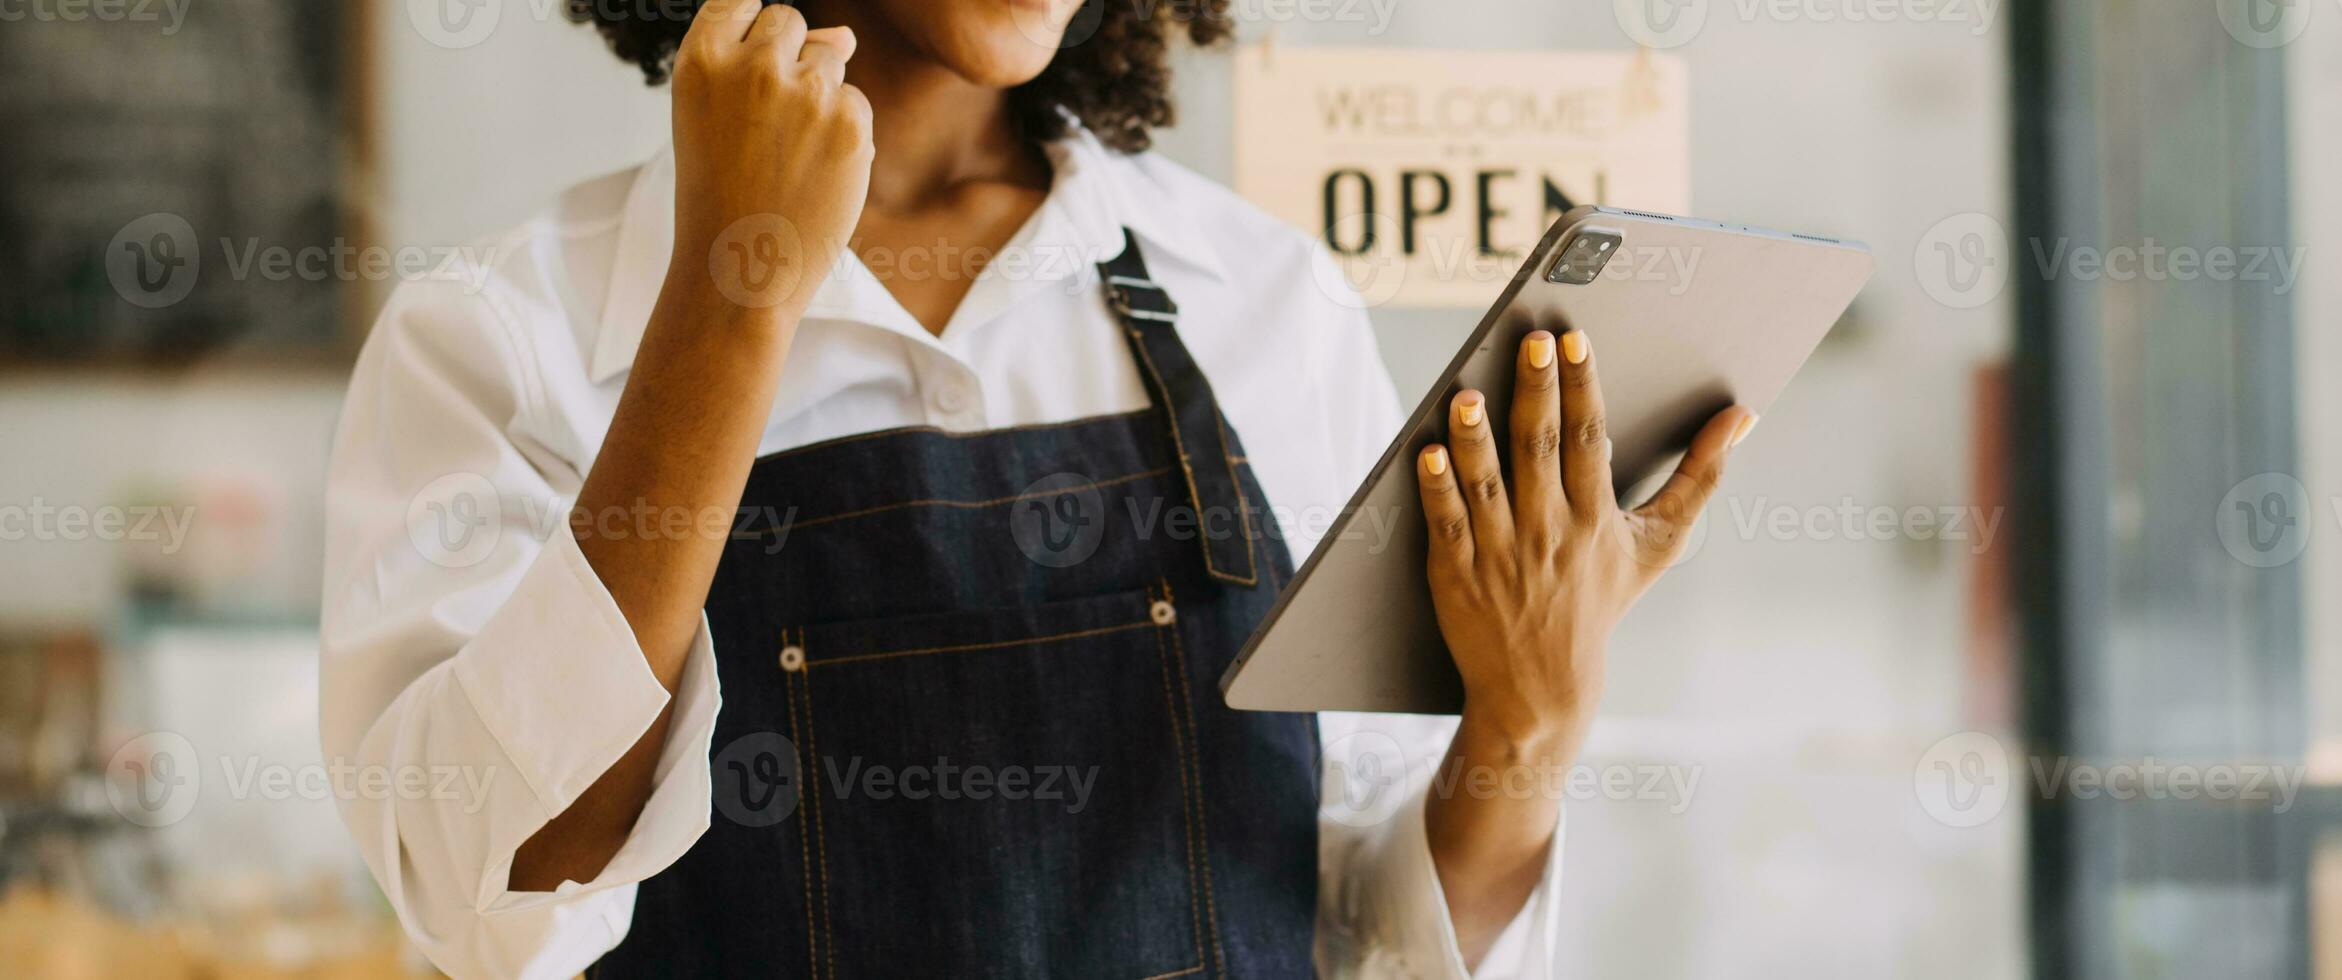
{"x":1009,"y":792}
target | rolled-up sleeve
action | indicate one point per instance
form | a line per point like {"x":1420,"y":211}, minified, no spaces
{"x":1381,"y":912}
{"x":477,"y":676}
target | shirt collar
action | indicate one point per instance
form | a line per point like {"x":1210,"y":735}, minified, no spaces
{"x":1095,"y":195}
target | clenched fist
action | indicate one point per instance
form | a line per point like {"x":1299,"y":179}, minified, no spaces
{"x":772,"y":153}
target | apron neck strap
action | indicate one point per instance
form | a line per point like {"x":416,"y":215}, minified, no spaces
{"x":1181,"y":393}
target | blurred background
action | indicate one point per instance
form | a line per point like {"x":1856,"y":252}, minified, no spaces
{"x":2002,"y":655}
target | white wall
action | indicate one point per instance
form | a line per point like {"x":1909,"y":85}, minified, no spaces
{"x":245,"y":448}
{"x":475,"y":139}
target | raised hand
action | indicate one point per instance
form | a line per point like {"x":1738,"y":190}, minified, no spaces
{"x":772,"y":152}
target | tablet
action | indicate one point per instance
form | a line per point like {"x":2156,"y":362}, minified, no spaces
{"x":1690,"y":316}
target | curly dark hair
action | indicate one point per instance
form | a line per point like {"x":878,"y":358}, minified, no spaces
{"x":1113,"y":73}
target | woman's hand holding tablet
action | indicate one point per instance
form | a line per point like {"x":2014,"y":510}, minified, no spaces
{"x":1528,"y":581}
{"x":1701,"y":325}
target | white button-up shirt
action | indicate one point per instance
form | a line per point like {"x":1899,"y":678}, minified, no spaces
{"x":461,"y":630}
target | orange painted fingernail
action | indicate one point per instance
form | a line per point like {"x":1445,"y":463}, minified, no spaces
{"x":1747,"y":425}
{"x":1540,"y":350}
{"x":1468,"y":409}
{"x":1573,"y":346}
{"x":1435,"y":461}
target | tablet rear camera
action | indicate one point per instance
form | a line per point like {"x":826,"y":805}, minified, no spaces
{"x":1584,"y":257}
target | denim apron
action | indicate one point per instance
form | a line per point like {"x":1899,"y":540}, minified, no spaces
{"x":971,"y":721}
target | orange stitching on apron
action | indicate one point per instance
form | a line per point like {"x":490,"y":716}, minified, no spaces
{"x":1175,"y":973}
{"x":994,"y":645}
{"x":1186,"y":795}
{"x":1179,"y":443}
{"x":970,"y":504}
{"x":804,"y":828}
{"x":1211,"y":906}
{"x":906,"y":430}
{"x":821,"y":843}
{"x":1178,"y":440}
{"x":1243,"y":506}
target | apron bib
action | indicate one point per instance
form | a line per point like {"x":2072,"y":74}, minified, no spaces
{"x":971,"y":722}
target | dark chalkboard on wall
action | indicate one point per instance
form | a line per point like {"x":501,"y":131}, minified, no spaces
{"x":160,"y":159}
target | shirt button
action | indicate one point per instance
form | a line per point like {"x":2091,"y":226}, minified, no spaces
{"x":951,"y":399}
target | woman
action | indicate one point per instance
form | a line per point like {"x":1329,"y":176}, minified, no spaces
{"x":957,"y":443}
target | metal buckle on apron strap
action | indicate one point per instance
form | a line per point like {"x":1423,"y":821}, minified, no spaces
{"x":1122,"y":291}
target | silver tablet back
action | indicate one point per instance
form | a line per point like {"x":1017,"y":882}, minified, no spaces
{"x":1687,"y":316}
